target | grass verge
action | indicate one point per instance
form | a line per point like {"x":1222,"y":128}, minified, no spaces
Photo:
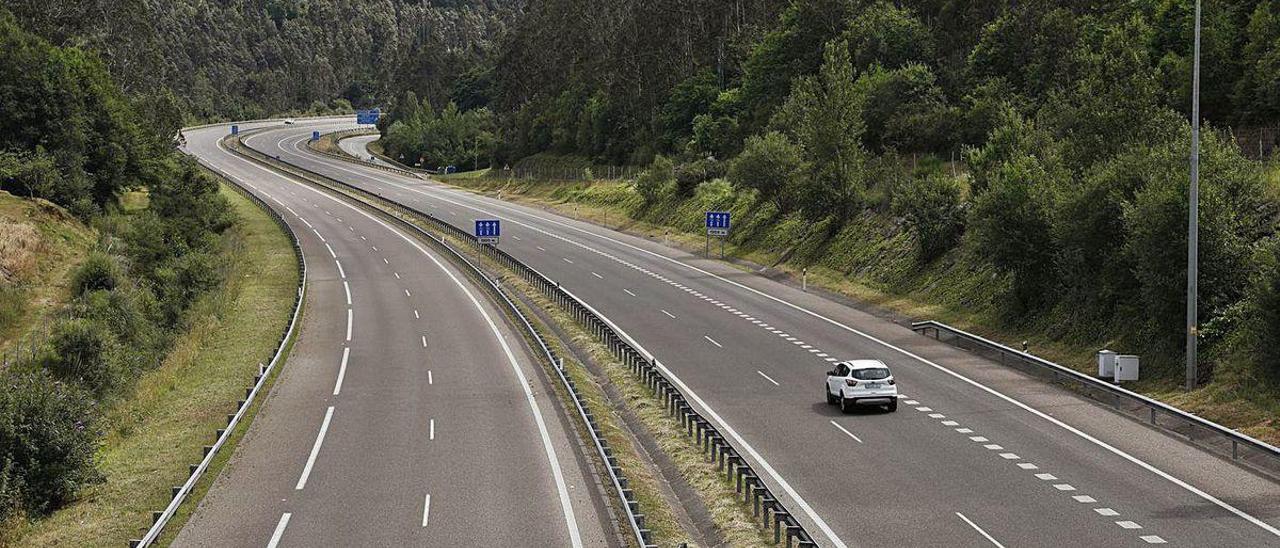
{"x":151,"y":437}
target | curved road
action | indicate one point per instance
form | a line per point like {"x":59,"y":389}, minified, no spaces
{"x":408,"y":412}
{"x":977,"y":455}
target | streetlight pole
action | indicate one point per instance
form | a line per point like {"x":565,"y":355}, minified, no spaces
{"x":1193,"y":229}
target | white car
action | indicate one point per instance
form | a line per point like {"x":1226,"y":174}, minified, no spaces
{"x":858,"y":382}
{"x":288,"y":121}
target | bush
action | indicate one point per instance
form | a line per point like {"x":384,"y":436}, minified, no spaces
{"x":82,"y":353}
{"x":769,"y":163}
{"x":47,"y":443}
{"x":691,"y":174}
{"x":97,"y":272}
{"x":1011,"y":226}
{"x":932,"y":209}
{"x":652,"y":181}
{"x":1265,"y":301}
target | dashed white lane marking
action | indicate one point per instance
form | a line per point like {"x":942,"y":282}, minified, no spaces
{"x":768,"y":378}
{"x":1009,"y":456}
{"x":318,"y":235}
{"x":416,"y":316}
{"x":426,"y":511}
{"x":341,"y":273}
{"x":628,"y":291}
{"x":363,"y":238}
{"x":980,"y":531}
{"x":407,"y":293}
{"x":713,"y":341}
{"x":979,"y":439}
{"x":349,"y":317}
{"x":669,"y":314}
{"x":518,"y":239}
{"x":290,"y":209}
{"x":1028,"y":466}
{"x":993,"y":447}
{"x":304,"y":221}
{"x":566,"y":259}
{"x":937,"y":416}
{"x":432,"y":434}
{"x":847,"y":433}
{"x":949,"y":423}
{"x":424,"y":341}
{"x":597,"y":275}
{"x":1126,"y":524}
{"x":351,"y":228}
{"x":1152,"y":539}
{"x":540,"y":248}
{"x":279,"y":532}
{"x":1084,"y":499}
{"x":1106,"y":512}
{"x":924,"y":409}
{"x":385,"y":261}
{"x":346,"y":287}
{"x":430,"y":379}
{"x":331,"y":253}
{"x":315,"y":450}
{"x":1064,"y":487}
{"x":373,"y":247}
{"x":342,"y":371}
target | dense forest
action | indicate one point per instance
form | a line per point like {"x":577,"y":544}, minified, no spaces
{"x":1042,"y":142}
{"x":254,"y":58}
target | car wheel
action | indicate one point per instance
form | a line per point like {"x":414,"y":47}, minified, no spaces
{"x":831,"y":398}
{"x":893,"y":405}
{"x":846,"y":405}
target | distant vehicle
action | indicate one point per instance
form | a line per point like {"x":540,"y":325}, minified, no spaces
{"x":288,"y":121}
{"x":858,"y":382}
{"x":451,"y":169}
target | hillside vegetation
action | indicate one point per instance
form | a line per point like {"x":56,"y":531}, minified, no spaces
{"x":1019,"y":166}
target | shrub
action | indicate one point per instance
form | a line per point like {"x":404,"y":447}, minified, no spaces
{"x":1265,"y":301}
{"x":769,"y":163}
{"x":651,"y":181}
{"x":932,"y":209}
{"x":97,"y":272}
{"x":691,"y":174}
{"x":47,"y":443}
{"x":81,"y":352}
{"x":1011,"y":226}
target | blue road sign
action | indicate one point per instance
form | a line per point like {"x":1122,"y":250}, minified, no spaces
{"x":368,"y":116}
{"x":235,"y":130}
{"x":718,"y":220}
{"x":488,"y":230}
{"x":315,"y":136}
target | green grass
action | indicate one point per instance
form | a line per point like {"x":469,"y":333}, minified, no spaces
{"x":40,"y":244}
{"x":152,"y":436}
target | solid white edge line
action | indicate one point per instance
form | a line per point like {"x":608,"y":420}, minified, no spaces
{"x":315,"y":450}
{"x":279,"y":532}
{"x":979,"y":530}
{"x":566,"y":504}
{"x":341,"y":273}
{"x":848,"y":433}
{"x":335,"y":255}
{"x":342,"y":370}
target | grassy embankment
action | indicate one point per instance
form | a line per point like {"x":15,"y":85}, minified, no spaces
{"x":40,"y":244}
{"x":872,"y":260}
{"x":152,"y":436}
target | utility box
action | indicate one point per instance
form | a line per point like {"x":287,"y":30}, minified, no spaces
{"x":1126,"y":367}
{"x":1106,"y":364}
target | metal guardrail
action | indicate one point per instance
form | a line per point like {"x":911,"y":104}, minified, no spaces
{"x":1220,"y":440}
{"x":765,"y":506}
{"x":356,"y":132}
{"x":161,"y":518}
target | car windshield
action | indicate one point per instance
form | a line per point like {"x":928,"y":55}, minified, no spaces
{"x":870,"y":374}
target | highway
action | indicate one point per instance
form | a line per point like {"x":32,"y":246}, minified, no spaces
{"x":408,"y":412}
{"x":977,"y":455}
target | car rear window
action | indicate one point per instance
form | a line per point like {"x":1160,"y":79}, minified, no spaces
{"x":870,"y":374}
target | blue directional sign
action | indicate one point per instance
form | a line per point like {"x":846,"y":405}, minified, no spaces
{"x":488,"y":230}
{"x":315,"y":136}
{"x":718,"y":223}
{"x":368,"y":116}
{"x":235,"y":130}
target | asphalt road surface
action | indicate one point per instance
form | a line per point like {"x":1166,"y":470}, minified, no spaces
{"x":977,"y":455}
{"x":408,"y":414}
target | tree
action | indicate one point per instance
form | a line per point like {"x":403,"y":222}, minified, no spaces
{"x":933,"y":210}
{"x":824,"y":115}
{"x":887,"y":35}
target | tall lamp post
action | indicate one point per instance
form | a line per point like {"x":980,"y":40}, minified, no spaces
{"x":1193,"y":229}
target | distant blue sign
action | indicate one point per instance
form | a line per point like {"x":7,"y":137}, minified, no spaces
{"x":488,"y":230}
{"x":368,"y":116}
{"x":235,"y":130}
{"x":718,"y":223}
{"x":315,"y":136}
